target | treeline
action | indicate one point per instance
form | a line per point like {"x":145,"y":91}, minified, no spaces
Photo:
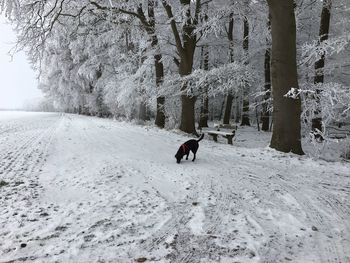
{"x":182,"y":62}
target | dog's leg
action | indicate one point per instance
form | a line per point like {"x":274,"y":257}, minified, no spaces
{"x":194,"y":154}
{"x":187,"y":155}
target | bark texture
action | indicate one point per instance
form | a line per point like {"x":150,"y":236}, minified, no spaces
{"x":286,"y":115}
{"x":160,"y":114}
{"x":245,"y":113}
{"x":238,"y":108}
{"x":204,"y":113}
{"x":265,"y":115}
{"x":188,"y":102}
{"x":228,"y":108}
{"x":319,"y":65}
{"x":229,"y":96}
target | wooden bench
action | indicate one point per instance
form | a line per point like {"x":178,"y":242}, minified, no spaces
{"x":227,"y":131}
{"x":225,"y":126}
{"x":228,"y":135}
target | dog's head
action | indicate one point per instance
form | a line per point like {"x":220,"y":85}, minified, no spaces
{"x":178,"y":156}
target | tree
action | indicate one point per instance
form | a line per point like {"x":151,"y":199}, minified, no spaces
{"x":286,"y":135}
{"x":229,"y":96}
{"x":267,"y":89}
{"x":319,"y":65}
{"x":185,"y":45}
{"x":245,"y":113}
{"x":148,"y":21}
{"x":204,"y":112}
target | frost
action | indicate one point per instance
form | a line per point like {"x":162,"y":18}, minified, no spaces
{"x":293,"y":93}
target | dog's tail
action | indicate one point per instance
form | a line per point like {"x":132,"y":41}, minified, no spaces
{"x":200,"y":138}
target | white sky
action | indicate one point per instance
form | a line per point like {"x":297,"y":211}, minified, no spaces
{"x":18,"y":82}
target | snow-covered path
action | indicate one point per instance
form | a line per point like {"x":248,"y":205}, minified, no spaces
{"x":82,"y":189}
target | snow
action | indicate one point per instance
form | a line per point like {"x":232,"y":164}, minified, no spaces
{"x":9,"y":115}
{"x":84,"y":189}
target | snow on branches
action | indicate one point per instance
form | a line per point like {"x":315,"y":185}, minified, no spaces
{"x":229,"y":77}
{"x":311,"y":52}
{"x":329,"y":101}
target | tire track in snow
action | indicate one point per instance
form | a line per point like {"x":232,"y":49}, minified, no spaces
{"x":214,"y":242}
{"x":271,"y":252}
{"x":177,"y":236}
{"x":214,"y":214}
{"x":328,"y":250}
{"x":180,"y":216}
{"x":263,"y":187}
{"x":18,"y":205}
{"x":20,"y":153}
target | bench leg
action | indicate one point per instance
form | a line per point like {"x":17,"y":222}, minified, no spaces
{"x":229,"y":140}
{"x":215,"y":137}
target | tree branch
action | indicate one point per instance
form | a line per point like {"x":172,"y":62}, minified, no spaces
{"x":127,"y":12}
{"x":176,"y":61}
{"x":174,"y":29}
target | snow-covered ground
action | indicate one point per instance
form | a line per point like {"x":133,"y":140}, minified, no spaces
{"x":82,"y":189}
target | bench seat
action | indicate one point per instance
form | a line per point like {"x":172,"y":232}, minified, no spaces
{"x":228,"y":135}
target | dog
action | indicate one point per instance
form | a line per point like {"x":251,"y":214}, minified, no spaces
{"x":191,"y":145}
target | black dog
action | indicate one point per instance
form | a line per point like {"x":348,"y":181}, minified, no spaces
{"x":191,"y":145}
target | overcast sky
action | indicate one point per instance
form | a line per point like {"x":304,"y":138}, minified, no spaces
{"x":18,"y":82}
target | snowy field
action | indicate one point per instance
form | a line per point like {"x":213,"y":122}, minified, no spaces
{"x":83,"y":189}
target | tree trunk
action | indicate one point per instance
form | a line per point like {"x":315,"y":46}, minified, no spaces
{"x":143,"y":116}
{"x":319,"y":65}
{"x":203,"y":120}
{"x":238,"y":108}
{"x":160,"y":114}
{"x":229,"y":96}
{"x":245,"y":113}
{"x":158,"y":64}
{"x":188,"y":102}
{"x":149,"y":25}
{"x":204,"y":114}
{"x":187,"y":114}
{"x":286,"y":115}
{"x":265,"y":116}
{"x":228,"y":108}
{"x":185,"y":45}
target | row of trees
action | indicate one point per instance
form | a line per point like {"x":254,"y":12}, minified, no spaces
{"x":182,"y":61}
